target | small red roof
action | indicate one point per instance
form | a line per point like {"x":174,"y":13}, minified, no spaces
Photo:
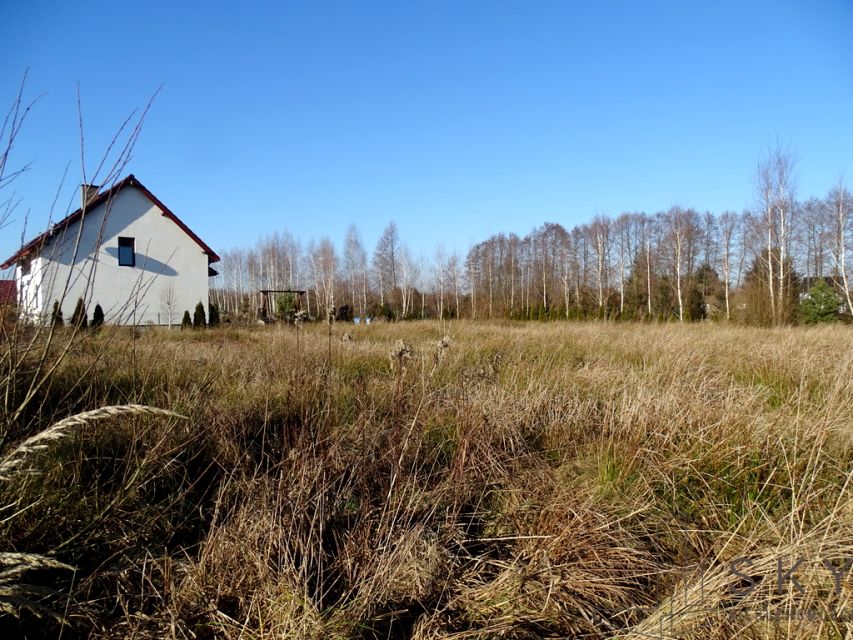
{"x":8,"y":292}
{"x":130,"y":181}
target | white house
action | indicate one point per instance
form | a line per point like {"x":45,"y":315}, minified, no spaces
{"x":123,"y":249}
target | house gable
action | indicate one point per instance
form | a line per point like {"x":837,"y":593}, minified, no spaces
{"x":126,"y":251}
{"x":62,"y":228}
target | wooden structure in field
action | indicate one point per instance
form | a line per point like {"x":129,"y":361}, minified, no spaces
{"x":267,"y":311}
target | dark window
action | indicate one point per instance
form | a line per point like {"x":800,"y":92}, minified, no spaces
{"x":126,"y":254}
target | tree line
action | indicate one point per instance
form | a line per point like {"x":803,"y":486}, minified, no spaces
{"x":755,"y":266}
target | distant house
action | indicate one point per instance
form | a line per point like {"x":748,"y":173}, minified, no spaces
{"x":123,"y":249}
{"x":8,"y":292}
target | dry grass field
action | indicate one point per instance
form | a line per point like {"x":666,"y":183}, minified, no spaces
{"x":561,"y":480}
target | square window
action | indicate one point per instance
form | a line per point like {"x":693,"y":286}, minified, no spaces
{"x":126,"y":253}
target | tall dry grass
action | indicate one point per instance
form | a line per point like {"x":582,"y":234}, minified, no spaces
{"x":510,"y":480}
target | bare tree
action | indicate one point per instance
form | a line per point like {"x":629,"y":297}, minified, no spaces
{"x":471,"y":274}
{"x":168,"y":303}
{"x":408,"y":277}
{"x":647,"y":229}
{"x":600,"y":235}
{"x":678,"y":232}
{"x":324,"y":265}
{"x":385,"y":264}
{"x":440,"y":275}
{"x":775,"y":179}
{"x":455,"y":273}
{"x":624,"y":229}
{"x":840,"y":203}
{"x":818,"y":238}
{"x":355,"y":266}
{"x":729,"y":224}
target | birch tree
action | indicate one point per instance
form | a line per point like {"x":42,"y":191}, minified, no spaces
{"x":355,"y":268}
{"x":440,"y":278}
{"x":775,"y":178}
{"x":600,"y":236}
{"x":729,"y":223}
{"x":677,"y":234}
{"x":840,"y":203}
{"x":385,"y":265}
{"x":624,"y":228}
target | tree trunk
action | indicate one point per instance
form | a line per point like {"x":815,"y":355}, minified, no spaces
{"x":649,"y":276}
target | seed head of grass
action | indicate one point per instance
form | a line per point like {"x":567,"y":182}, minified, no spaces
{"x":63,"y":428}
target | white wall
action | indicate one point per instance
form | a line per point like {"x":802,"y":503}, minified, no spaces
{"x":30,"y":295}
{"x":170,"y":266}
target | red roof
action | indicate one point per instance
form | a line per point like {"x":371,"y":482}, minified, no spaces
{"x":8,"y":292}
{"x":36,"y":243}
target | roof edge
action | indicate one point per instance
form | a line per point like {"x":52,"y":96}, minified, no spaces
{"x":129,"y":181}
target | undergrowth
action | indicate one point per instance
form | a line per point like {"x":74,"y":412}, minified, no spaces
{"x":506,"y":480}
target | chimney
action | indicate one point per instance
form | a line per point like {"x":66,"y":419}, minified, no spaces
{"x":87,"y":192}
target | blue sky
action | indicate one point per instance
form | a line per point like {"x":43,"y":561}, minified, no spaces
{"x":456,"y":119}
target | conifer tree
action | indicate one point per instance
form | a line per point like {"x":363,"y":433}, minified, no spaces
{"x":213,"y":314}
{"x":78,"y":317}
{"x":199,"y":320}
{"x":820,"y":305}
{"x":97,"y":317}
{"x":56,"y":315}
